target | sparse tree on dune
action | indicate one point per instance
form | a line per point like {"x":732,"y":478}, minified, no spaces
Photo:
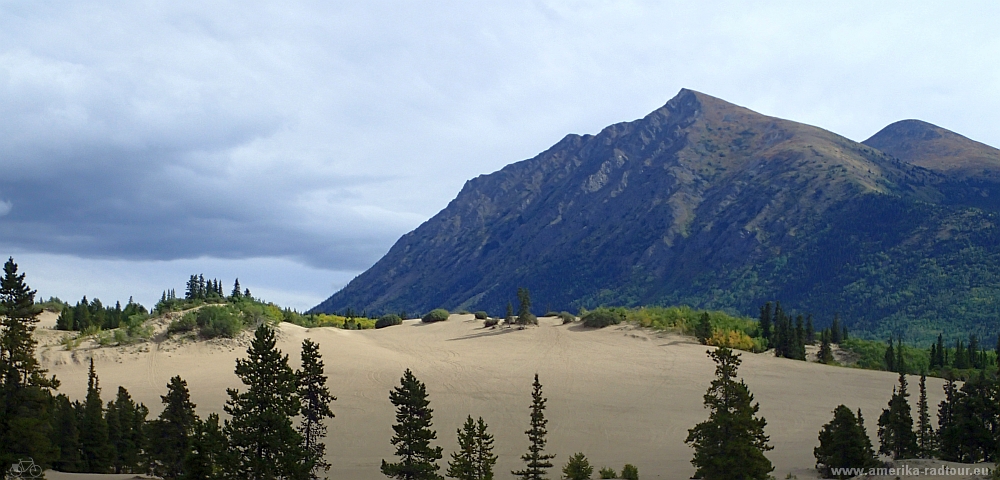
{"x":315,"y":397}
{"x":413,"y":433}
{"x":536,"y":460}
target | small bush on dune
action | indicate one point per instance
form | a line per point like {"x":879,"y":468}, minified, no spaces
{"x":492,"y":322}
{"x":630,"y":472}
{"x":601,"y":318}
{"x":436,"y":315}
{"x":388,"y":321}
{"x":481,"y":315}
{"x":184,"y":324}
{"x":567,"y":317}
{"x":607,"y":472}
{"x":219,"y":322}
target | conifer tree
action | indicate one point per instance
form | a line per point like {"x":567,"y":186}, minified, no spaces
{"x":25,"y":392}
{"x":169,"y":438}
{"x":66,"y":435}
{"x":765,"y":321}
{"x":948,"y":436}
{"x":703,"y":331}
{"x":524,"y":315}
{"x":577,"y":468}
{"x":126,"y":420}
{"x":825,"y":350}
{"x":315,"y":397}
{"x":890,"y":358}
{"x":630,"y":472}
{"x":844,"y":443}
{"x":536,"y":460}
{"x":417,"y":459}
{"x":810,"y":331}
{"x":96,"y":451}
{"x":237,"y":294}
{"x":900,"y":360}
{"x":799,"y":350}
{"x":933,"y":357}
{"x":731,"y":443}
{"x":925,"y":432}
{"x":895,"y":426}
{"x":474,"y":459}
{"x":508,"y":318}
{"x":835,"y":330}
{"x":262,"y":439}
{"x":208,"y":451}
{"x":940,"y":351}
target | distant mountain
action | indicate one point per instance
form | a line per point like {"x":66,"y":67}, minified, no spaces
{"x":713,"y":205}
{"x":935,"y":148}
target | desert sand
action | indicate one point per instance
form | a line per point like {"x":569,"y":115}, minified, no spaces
{"x":619,"y":394}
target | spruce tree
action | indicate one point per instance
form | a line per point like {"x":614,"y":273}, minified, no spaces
{"x":413,"y":433}
{"x":810,"y":331}
{"x":524,"y":315}
{"x":126,"y":420}
{"x":799,"y":349}
{"x":895,"y":426}
{"x":835,"y":330}
{"x":703,"y":331}
{"x":169,"y":436}
{"x":536,"y":460}
{"x":577,"y":468}
{"x":315,"y":397}
{"x":208,"y":452}
{"x":25,"y":392}
{"x":844,"y":443}
{"x":508,"y":318}
{"x":731,"y":443}
{"x":765,"y":321}
{"x":262,"y":440}
{"x":825,"y":350}
{"x":474,"y":459}
{"x":237,"y":293}
{"x":948,"y":436}
{"x":66,"y":435}
{"x":925,"y":431}
{"x":940,"y":351}
{"x":890,"y":357}
{"x":96,"y":451}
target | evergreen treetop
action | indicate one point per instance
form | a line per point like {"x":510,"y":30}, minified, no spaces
{"x":413,"y":433}
{"x":536,"y":460}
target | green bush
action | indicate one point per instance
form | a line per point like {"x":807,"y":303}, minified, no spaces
{"x":602,"y":317}
{"x":630,"y":472}
{"x":388,"y":320}
{"x":184,"y":324}
{"x":607,"y":472}
{"x":567,"y":317}
{"x":491,"y":322}
{"x":436,"y":315}
{"x":481,"y":315}
{"x":219,"y":322}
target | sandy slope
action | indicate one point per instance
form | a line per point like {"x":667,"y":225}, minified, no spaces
{"x":618,"y":394}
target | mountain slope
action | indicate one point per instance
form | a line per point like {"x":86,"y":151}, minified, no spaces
{"x":700,"y":202}
{"x":935,"y":148}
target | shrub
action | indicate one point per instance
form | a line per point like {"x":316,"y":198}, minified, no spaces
{"x":732,"y":339}
{"x":607,"y":472}
{"x":492,"y":322}
{"x":388,"y":320}
{"x":436,"y":315}
{"x":567,"y":317}
{"x":601,"y":318}
{"x":184,"y":324}
{"x":481,"y":315}
{"x":219,"y":322}
{"x":630,"y":472}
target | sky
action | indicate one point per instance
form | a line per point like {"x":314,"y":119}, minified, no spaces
{"x":290,"y":144}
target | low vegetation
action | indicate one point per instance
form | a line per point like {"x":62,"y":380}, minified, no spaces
{"x":436,"y":315}
{"x":388,"y":321}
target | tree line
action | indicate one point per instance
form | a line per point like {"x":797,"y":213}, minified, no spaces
{"x":93,"y":314}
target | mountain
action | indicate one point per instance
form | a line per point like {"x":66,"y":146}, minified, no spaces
{"x":706,"y":203}
{"x":932,"y":147}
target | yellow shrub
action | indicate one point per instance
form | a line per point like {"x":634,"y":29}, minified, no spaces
{"x":732,"y":339}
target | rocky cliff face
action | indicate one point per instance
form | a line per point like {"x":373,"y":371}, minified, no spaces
{"x":700,"y":202}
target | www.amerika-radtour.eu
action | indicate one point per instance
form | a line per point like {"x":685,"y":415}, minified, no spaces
{"x":907,"y":470}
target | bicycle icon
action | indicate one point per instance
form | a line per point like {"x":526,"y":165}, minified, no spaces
{"x":24,"y":470}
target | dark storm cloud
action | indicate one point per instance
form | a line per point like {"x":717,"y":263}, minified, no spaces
{"x":321,"y":131}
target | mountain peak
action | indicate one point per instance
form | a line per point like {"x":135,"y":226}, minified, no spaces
{"x":930,"y":146}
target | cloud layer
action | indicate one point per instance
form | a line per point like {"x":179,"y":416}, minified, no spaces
{"x":319,"y":132}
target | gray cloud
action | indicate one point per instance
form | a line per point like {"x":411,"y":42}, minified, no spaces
{"x":321,"y":131}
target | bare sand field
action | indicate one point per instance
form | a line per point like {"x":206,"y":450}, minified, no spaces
{"x":619,"y":394}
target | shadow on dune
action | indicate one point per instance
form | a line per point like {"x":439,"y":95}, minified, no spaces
{"x":488,"y":333}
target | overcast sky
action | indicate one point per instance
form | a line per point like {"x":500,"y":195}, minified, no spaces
{"x":292,"y":143}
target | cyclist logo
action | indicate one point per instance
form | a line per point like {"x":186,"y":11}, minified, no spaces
{"x":24,"y":470}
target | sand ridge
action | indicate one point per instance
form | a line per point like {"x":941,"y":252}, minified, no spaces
{"x":619,"y":394}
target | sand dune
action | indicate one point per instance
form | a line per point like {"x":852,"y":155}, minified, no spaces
{"x":619,"y":394}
